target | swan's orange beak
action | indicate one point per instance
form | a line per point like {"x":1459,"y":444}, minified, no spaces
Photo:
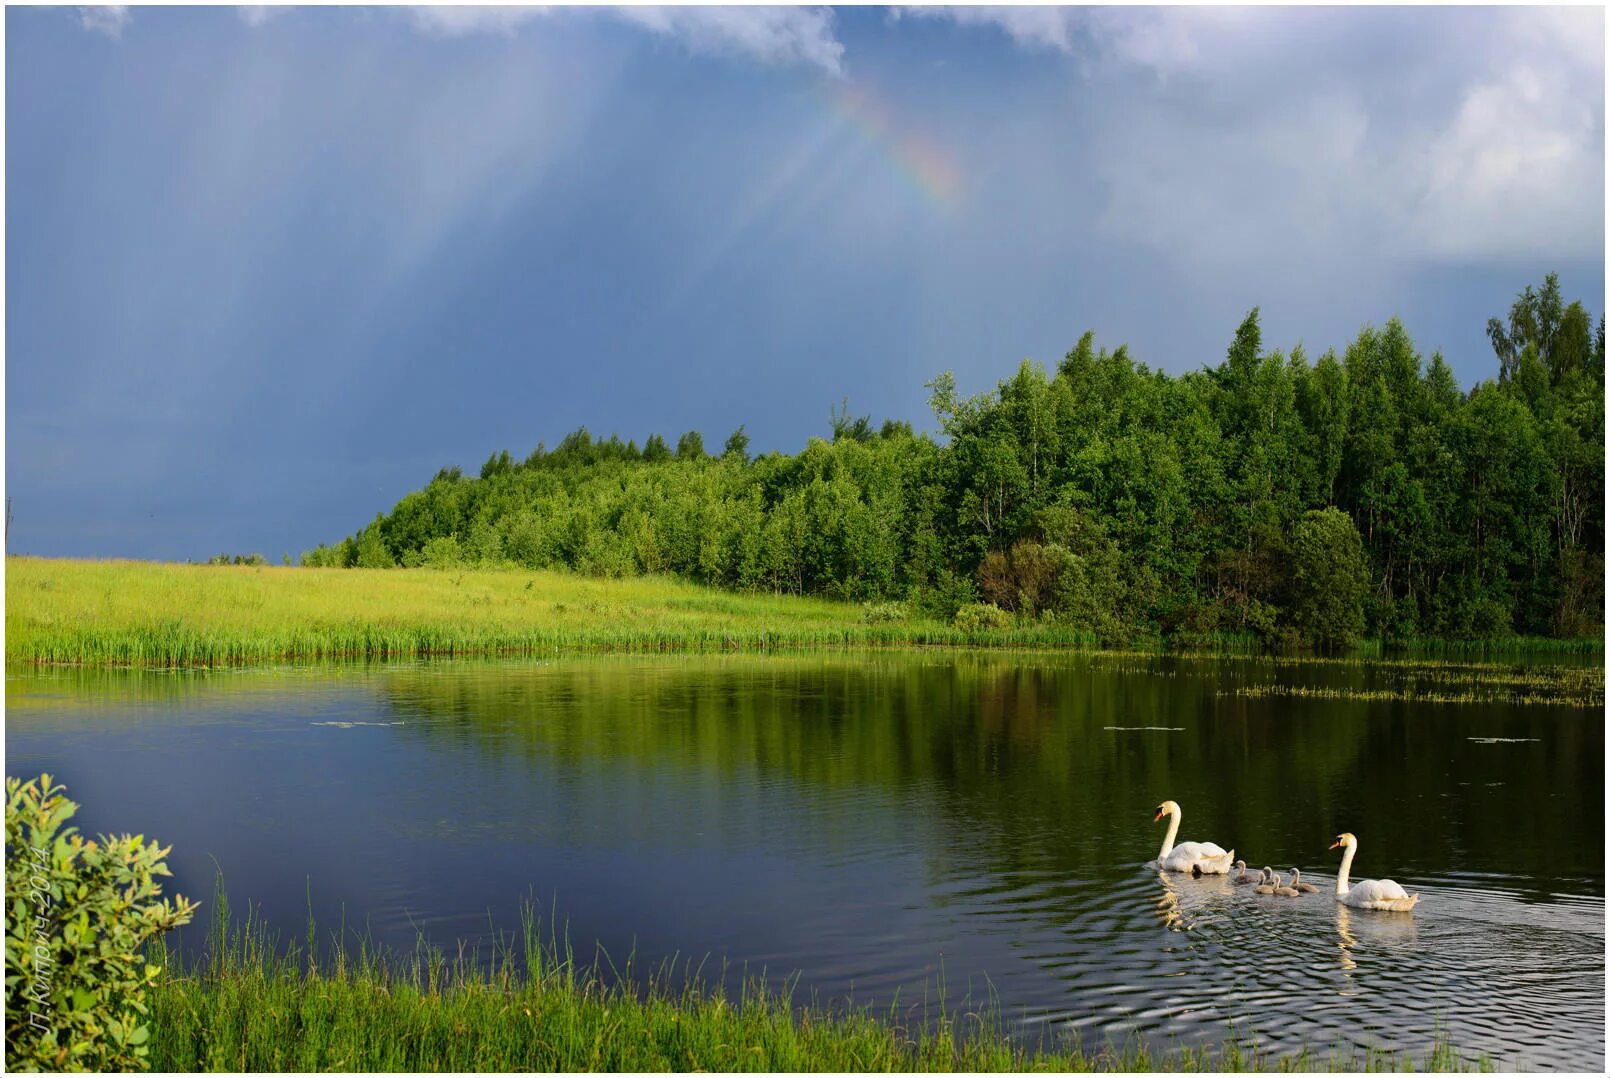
{"x":1335,"y":844}
{"x":1157,"y":816}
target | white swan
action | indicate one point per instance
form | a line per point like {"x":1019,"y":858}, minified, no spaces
{"x":1367,"y":894}
{"x":1197,"y":858}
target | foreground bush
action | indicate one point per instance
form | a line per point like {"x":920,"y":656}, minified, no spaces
{"x":79,"y":915}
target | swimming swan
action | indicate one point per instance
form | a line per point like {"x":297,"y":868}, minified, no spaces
{"x":1197,"y":858}
{"x":1243,"y":876}
{"x":1266,"y":882}
{"x":1298,"y":884}
{"x":1367,"y":894}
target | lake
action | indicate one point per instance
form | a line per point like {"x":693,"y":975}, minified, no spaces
{"x":873,"y":824}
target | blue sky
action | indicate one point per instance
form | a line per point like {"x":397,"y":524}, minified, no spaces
{"x":267,"y":270}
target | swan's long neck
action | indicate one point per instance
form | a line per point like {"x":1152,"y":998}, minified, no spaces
{"x":1168,"y":839}
{"x":1347,"y":865}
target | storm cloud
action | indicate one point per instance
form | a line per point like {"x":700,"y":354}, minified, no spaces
{"x":267,"y":274}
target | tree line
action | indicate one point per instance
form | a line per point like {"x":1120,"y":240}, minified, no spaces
{"x":1297,"y":500}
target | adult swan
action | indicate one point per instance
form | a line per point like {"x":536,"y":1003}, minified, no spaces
{"x":1197,"y":858}
{"x":1367,"y":894}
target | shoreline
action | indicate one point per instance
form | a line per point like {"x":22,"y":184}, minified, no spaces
{"x":252,"y":1005}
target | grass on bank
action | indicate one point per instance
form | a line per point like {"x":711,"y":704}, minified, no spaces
{"x":125,"y":612}
{"x":250,"y":1005}
{"x":163,"y":614}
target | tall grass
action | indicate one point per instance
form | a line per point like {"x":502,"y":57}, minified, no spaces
{"x":154,"y":614}
{"x":252,"y":1005}
{"x":125,"y":613}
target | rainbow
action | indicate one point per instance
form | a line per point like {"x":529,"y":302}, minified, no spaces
{"x":930,"y":168}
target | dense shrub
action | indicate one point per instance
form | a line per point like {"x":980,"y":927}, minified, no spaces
{"x":882,"y":613}
{"x":1023,"y":579}
{"x":1329,"y":580}
{"x":79,"y":913}
{"x":370,"y":552}
{"x":943,"y":595}
{"x":981,"y":617}
{"x":442,"y":552}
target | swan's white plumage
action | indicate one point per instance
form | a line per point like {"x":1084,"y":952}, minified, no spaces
{"x":1206,"y":858}
{"x":1188,"y":855}
{"x":1368,"y":894}
{"x":1378,"y":895}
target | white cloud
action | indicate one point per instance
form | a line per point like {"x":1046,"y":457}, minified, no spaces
{"x":1034,"y":27}
{"x":1134,"y":34}
{"x":108,"y":19}
{"x":778,"y":35}
{"x":774,"y":35}
{"x":1526,"y":143}
{"x":1164,"y":40}
{"x":1433,"y":135}
{"x":258,"y":14}
{"x":460,"y":20}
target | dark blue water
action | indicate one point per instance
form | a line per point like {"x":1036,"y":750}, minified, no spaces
{"x":870,"y":823}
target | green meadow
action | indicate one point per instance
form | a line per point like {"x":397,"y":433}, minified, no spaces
{"x":132,"y":613}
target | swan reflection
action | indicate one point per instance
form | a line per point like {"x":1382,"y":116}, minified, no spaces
{"x":1369,"y":930}
{"x":1183,"y":898}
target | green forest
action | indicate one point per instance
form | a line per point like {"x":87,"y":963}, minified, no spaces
{"x":1298,"y":501}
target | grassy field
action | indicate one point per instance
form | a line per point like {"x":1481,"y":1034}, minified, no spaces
{"x":254,"y":1006}
{"x":126,"y":612}
{"x":162,"y":614}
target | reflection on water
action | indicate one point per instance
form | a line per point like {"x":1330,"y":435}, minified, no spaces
{"x":872,"y":821}
{"x":1377,"y":929}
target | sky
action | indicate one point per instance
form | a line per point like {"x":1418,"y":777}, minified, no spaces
{"x":269,"y":269}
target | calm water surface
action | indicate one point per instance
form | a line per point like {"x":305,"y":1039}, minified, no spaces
{"x":873,"y":822}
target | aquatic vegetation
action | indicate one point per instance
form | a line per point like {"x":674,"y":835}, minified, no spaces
{"x":1443,"y":682}
{"x":340,"y":724}
{"x":250,"y":1004}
